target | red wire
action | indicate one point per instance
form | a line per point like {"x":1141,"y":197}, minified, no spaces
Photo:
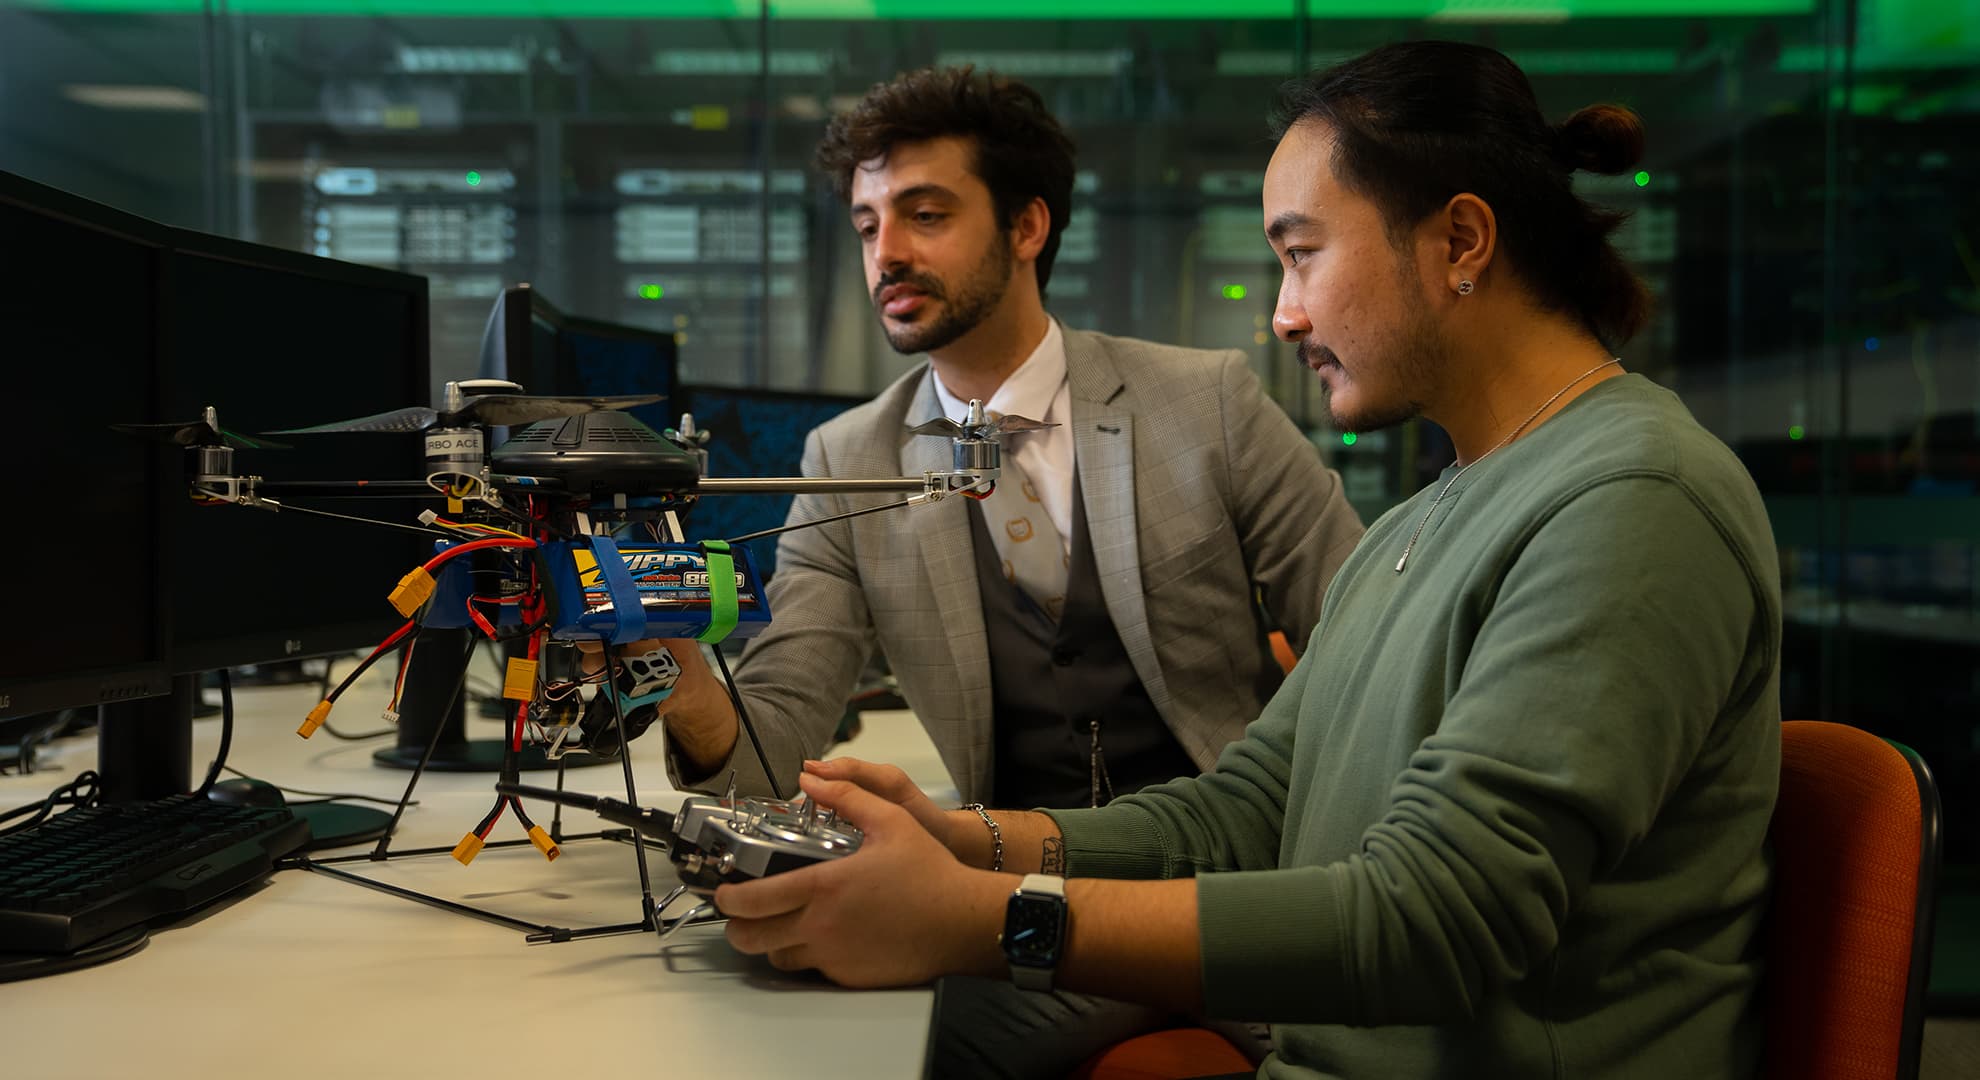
{"x":522,"y":707}
{"x":480,"y":619}
{"x":476,"y":545}
{"x":393,"y":640}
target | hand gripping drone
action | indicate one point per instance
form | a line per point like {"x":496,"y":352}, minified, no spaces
{"x":571,"y":531}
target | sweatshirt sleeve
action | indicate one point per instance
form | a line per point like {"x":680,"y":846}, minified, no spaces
{"x":1227,"y":819}
{"x":1617,"y":635}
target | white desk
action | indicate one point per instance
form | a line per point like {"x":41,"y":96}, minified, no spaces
{"x":310,"y":976}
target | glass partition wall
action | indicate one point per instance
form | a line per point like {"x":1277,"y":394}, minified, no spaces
{"x":1806,"y":216}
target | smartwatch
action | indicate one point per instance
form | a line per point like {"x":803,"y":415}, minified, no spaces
{"x":1035,"y":930}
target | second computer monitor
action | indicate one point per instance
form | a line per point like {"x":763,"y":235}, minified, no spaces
{"x":533,"y":343}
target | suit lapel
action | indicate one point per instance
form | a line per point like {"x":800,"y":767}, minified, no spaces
{"x":942,"y":531}
{"x":1103,"y":449}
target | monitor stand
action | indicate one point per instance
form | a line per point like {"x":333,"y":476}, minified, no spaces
{"x":432,"y":699}
{"x":144,"y":747}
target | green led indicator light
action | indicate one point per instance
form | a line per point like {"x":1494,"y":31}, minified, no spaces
{"x":1642,"y":179}
{"x":1348,"y":438}
{"x":651,"y":292}
{"x":473,"y":178}
{"x":1796,"y":432}
{"x":1233,"y":292}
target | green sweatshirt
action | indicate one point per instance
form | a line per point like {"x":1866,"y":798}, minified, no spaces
{"x":1508,"y":816}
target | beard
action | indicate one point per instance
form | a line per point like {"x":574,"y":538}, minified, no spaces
{"x":1409,"y":364}
{"x":961,"y":309}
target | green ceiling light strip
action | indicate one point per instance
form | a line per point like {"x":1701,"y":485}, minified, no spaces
{"x":1484,"y":11}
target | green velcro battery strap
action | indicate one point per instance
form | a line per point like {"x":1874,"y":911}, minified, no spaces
{"x":722,"y":610}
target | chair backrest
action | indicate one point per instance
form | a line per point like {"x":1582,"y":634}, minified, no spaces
{"x":1856,"y":849}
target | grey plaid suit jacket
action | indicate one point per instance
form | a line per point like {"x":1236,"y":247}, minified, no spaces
{"x":1196,"y":488}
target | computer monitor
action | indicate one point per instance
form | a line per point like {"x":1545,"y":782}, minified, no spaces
{"x":276,"y":339}
{"x":520,"y":341}
{"x":78,"y":318}
{"x":598,"y":357}
{"x":532,"y":343}
{"x":753,"y":433}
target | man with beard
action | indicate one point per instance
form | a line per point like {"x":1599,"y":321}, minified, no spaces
{"x":1095,"y":625}
{"x":1508,"y":817}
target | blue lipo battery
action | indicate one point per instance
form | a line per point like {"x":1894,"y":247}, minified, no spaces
{"x":670,"y":582}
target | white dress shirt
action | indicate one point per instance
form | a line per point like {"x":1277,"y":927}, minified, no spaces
{"x":1037,"y":390}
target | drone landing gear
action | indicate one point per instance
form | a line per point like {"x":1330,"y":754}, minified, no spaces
{"x":651,"y":911}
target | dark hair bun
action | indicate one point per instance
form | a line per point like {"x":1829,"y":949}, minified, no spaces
{"x":1600,"y":138}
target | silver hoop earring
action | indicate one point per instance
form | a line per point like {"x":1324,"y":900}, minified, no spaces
{"x":1465,"y":287}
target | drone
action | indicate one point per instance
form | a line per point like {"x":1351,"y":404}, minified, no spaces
{"x":570,"y":530}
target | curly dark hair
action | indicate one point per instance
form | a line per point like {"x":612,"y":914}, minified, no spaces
{"x":1419,"y":122}
{"x":1021,"y":151}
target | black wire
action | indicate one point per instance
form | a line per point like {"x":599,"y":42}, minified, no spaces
{"x":488,"y":821}
{"x":360,"y":736}
{"x":79,"y":793}
{"x":529,"y":524}
{"x":515,"y":804}
{"x":368,"y":661}
{"x":742,"y":714}
{"x":32,"y":739}
{"x":332,"y":695}
{"x":226,"y":731}
{"x":322,"y":796}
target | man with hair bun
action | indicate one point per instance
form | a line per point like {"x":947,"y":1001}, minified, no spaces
{"x":1508,"y":817}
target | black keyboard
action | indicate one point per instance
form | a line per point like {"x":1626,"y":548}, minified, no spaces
{"x":88,"y":873}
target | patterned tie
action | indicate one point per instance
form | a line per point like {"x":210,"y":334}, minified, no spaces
{"x":1027,"y":541}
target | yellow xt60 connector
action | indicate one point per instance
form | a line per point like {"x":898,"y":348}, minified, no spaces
{"x":412,"y":591}
{"x":467,"y":849}
{"x":519,"y":682}
{"x":543,"y":842}
{"x":315,"y":719}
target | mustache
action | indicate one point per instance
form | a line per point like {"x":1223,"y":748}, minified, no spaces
{"x":1313,"y":355}
{"x":927,"y":283}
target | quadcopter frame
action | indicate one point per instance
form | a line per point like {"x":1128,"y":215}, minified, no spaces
{"x":461,"y":452}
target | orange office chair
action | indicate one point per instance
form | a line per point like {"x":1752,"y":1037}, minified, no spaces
{"x":1177,"y":1054}
{"x":1856,"y":849}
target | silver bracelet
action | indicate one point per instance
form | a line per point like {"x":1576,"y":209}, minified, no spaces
{"x":996,"y":836}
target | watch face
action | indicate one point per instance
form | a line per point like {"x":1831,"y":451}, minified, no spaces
{"x":1033,"y":927}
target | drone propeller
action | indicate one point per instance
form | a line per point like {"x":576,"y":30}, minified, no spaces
{"x":494,"y":410}
{"x":202,"y":432}
{"x":1003,"y":425}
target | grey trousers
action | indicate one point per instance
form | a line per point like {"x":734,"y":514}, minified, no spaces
{"x":987,"y":1028}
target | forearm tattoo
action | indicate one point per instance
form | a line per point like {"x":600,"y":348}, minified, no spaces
{"x":1054,"y":860}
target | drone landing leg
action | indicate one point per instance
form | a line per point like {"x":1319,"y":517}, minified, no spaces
{"x":557,"y":809}
{"x":647,"y":910}
{"x":383,"y":850}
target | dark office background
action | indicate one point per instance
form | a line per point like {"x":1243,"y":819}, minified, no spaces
{"x":1807,"y":215}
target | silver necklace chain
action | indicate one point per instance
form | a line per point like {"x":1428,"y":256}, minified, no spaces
{"x":1510,"y":436}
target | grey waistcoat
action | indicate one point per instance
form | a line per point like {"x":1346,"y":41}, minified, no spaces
{"x":1048,"y":683}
